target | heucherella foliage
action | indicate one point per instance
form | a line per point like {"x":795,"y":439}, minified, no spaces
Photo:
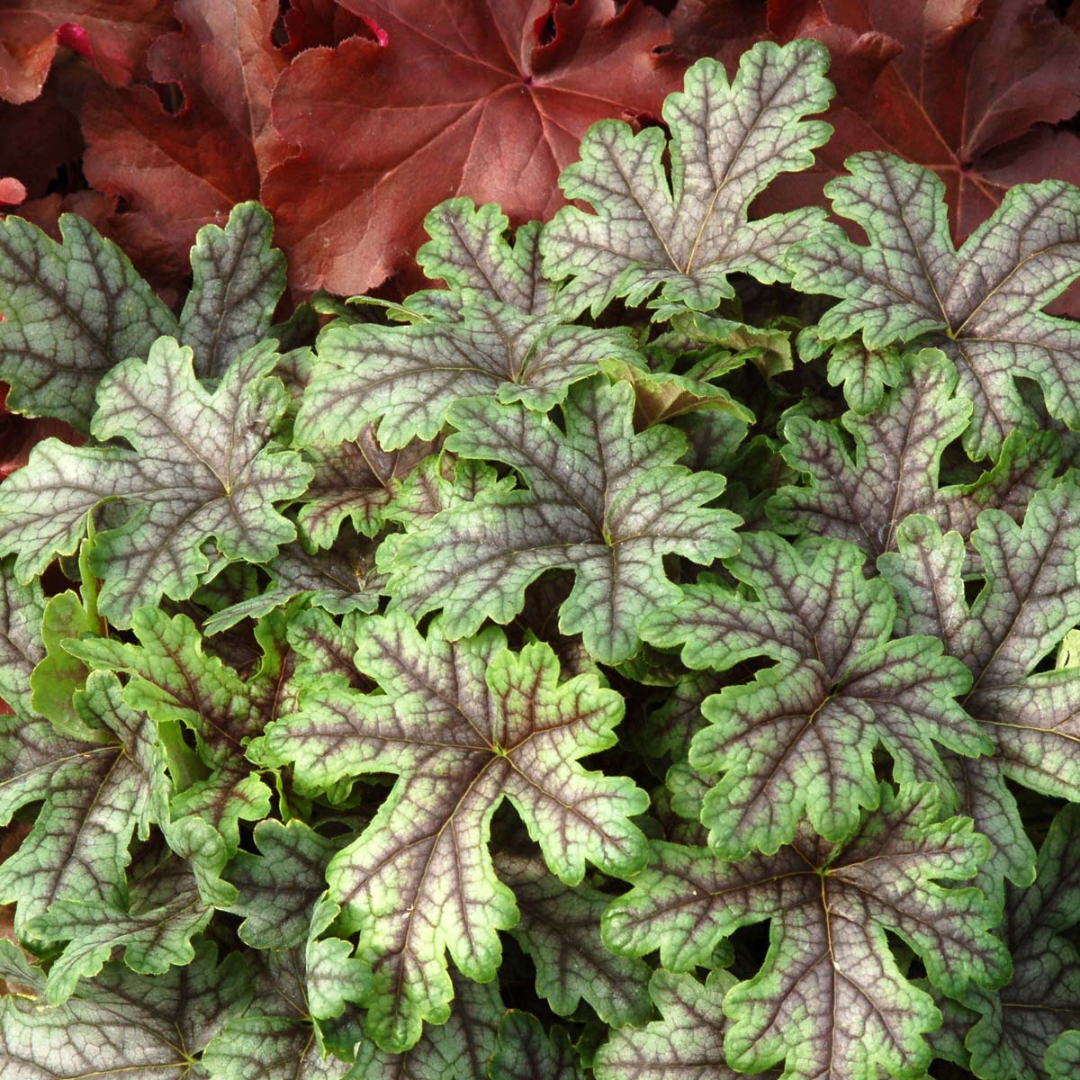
{"x":598,"y":665}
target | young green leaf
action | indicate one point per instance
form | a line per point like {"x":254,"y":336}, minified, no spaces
{"x":864,"y":373}
{"x":799,"y":739}
{"x":463,"y":725}
{"x":72,"y":311}
{"x":686,"y":231}
{"x":238,"y":280}
{"x":407,"y":377}
{"x":829,"y":994}
{"x":1025,"y":1018}
{"x":201,"y":467}
{"x":981,"y":305}
{"x":602,"y":500}
{"x":686,"y":1044}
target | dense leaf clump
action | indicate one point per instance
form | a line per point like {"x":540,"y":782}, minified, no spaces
{"x":553,"y":675}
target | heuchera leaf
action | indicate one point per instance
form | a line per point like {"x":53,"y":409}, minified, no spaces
{"x":97,"y":795}
{"x":527,"y":1050}
{"x":1029,"y":600}
{"x":506,"y":91}
{"x":470,"y":252}
{"x":829,"y":995}
{"x":980,"y":305}
{"x":21,"y":647}
{"x":602,"y":500}
{"x":463,"y":726}
{"x":125,"y":1026}
{"x":799,"y":739}
{"x":238,"y":280}
{"x":685,"y":233}
{"x":201,"y":466}
{"x":72,"y":311}
{"x":893,"y":473}
{"x":1025,"y":1018}
{"x":407,"y":377}
{"x":559,"y":929}
{"x":687,"y":1042}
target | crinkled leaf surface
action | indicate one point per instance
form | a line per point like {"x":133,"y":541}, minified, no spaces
{"x":470,"y":251}
{"x":356,"y":481}
{"x":1042,"y":1002}
{"x":602,"y":500}
{"x":97,"y":795}
{"x":72,"y":311}
{"x":559,"y":929}
{"x":462,"y":725}
{"x":685,"y":232}
{"x":864,"y":496}
{"x":829,"y":996}
{"x":407,"y":377}
{"x":981,"y":305}
{"x":238,"y":279}
{"x":687,"y":1043}
{"x":799,"y":739}
{"x":491,"y":104}
{"x":125,"y":1026}
{"x":200,"y":466}
{"x":1029,"y":600}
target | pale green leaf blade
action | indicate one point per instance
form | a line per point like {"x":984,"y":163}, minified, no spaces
{"x":270,"y":1048}
{"x":602,"y":500}
{"x":72,"y":311}
{"x":684,"y":236}
{"x":201,"y":466}
{"x":238,"y":280}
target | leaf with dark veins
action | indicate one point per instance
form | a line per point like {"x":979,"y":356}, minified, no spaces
{"x":405,"y":378}
{"x":799,"y":739}
{"x":463,"y":726}
{"x":526,"y":1050}
{"x":1029,"y":600}
{"x":238,"y":280}
{"x":602,"y":500}
{"x":559,"y":929}
{"x":72,"y":311}
{"x":982,"y":305}
{"x":686,"y":234}
{"x":22,"y":608}
{"x":124,"y":1026}
{"x":829,"y":997}
{"x":201,"y":466}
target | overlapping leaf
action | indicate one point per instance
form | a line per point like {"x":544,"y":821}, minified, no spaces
{"x":526,"y":1050}
{"x":1024,"y":1019}
{"x":865,"y":496}
{"x":407,"y":377}
{"x":829,"y":995}
{"x":125,"y":1026}
{"x":72,"y":311}
{"x":1029,"y":599}
{"x":800,"y":738}
{"x":684,"y":232}
{"x":981,"y":305}
{"x":201,"y":467}
{"x":463,"y":726}
{"x":21,"y":647}
{"x":602,"y":500}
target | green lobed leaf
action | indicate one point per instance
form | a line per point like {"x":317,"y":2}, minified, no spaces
{"x":238,"y":280}
{"x":201,"y":466}
{"x":981,"y":305}
{"x":462,"y":725}
{"x":864,"y":373}
{"x":1029,"y":600}
{"x":829,"y":994}
{"x":72,"y":311}
{"x":799,"y":740}
{"x":602,"y":500}
{"x":685,"y":231}
{"x":405,"y":378}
